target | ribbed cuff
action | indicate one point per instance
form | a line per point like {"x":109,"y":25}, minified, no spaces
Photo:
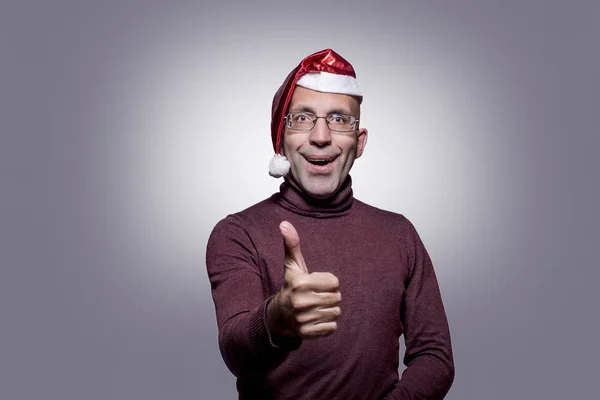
{"x":261,"y":334}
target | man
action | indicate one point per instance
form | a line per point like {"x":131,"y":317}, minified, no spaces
{"x":313,"y":288}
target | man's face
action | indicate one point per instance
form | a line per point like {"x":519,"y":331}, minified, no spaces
{"x":321,"y":159}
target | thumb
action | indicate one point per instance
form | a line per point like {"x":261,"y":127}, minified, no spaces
{"x":291,"y":241}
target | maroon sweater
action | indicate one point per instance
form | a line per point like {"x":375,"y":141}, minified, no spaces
{"x":388,"y":288}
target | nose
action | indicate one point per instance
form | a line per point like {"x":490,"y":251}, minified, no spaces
{"x":320,"y":135}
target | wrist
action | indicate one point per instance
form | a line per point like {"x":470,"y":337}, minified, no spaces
{"x":275,"y":322}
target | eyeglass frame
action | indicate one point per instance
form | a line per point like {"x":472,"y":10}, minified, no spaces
{"x":355,"y":123}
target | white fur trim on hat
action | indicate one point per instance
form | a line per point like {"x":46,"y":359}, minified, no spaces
{"x":330,"y":83}
{"x":279,"y":166}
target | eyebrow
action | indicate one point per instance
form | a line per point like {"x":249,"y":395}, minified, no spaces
{"x":306,"y":108}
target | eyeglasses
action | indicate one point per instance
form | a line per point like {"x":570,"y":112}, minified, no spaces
{"x":305,"y":121}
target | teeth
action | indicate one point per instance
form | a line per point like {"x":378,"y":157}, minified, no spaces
{"x":319,"y":161}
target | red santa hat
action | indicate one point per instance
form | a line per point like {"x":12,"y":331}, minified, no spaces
{"x":323,"y":71}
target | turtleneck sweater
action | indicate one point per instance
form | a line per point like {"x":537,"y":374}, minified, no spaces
{"x":388,"y":289}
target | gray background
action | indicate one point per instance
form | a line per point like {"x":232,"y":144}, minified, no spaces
{"x":130,"y":128}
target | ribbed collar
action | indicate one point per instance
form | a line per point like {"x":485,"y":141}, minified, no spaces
{"x":293,"y":198}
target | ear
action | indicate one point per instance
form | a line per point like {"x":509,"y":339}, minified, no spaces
{"x":361,"y":141}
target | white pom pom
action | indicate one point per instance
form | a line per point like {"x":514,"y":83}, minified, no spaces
{"x":279,"y":166}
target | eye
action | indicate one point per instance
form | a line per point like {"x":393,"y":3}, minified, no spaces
{"x":303,"y":117}
{"x":338,"y":118}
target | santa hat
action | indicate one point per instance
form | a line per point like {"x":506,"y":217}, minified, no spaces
{"x":323,"y":71}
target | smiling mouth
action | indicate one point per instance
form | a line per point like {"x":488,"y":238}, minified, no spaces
{"x":320,"y":160}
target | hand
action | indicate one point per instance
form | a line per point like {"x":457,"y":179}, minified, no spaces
{"x":308,"y":304}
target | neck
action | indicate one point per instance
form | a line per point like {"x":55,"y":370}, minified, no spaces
{"x":293,"y":197}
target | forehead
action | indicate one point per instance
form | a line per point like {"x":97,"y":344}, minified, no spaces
{"x":322,"y":102}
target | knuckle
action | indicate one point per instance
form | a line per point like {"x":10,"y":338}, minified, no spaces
{"x":304,"y":331}
{"x":336,"y":282}
{"x":332,"y":327}
{"x":336,"y":311}
{"x":337,"y":298}
{"x":296,"y":303}
{"x":301,"y":319}
{"x":332,"y":299}
{"x":298,"y":282}
{"x":333,"y":280}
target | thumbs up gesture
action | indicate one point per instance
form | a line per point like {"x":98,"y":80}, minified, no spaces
{"x":308,"y":304}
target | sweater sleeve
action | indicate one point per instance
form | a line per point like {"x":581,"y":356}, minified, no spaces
{"x":429,"y":361}
{"x":240,"y":302}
